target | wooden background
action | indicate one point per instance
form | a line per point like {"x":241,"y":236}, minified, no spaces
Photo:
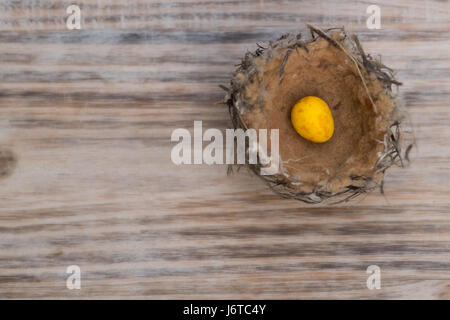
{"x":85,"y":123}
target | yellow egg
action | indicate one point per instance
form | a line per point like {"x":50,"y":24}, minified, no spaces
{"x":311,"y":118}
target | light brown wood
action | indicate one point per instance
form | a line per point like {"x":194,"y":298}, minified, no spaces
{"x":86,"y":118}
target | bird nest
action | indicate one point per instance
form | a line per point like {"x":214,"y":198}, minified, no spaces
{"x":332,"y":65}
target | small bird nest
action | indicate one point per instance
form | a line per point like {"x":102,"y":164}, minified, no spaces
{"x":358,"y":89}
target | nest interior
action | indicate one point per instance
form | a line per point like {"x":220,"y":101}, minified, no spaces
{"x":334,"y":68}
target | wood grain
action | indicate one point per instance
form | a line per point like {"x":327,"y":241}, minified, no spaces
{"x":85,"y":123}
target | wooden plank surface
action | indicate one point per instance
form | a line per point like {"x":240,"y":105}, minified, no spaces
{"x":85,"y":123}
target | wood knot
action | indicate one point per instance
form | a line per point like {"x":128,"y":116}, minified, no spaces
{"x":7,"y":163}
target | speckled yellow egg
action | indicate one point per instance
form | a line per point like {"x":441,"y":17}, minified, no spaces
{"x":312,"y":119}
